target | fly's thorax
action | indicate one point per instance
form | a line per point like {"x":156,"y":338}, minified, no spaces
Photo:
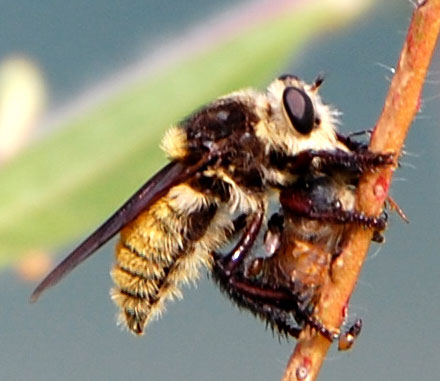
{"x":221,"y":124}
{"x":224,"y":130}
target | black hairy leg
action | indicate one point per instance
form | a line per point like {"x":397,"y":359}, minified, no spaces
{"x":282,"y":309}
{"x":299,"y":204}
{"x":278,"y":307}
{"x":235,"y":257}
{"x":262,"y":302}
{"x":358,"y":161}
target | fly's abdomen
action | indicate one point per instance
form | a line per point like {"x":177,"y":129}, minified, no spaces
{"x":163,"y":248}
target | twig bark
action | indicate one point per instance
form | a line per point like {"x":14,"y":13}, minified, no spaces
{"x":401,"y":105}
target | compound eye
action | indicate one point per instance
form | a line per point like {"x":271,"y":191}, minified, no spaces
{"x":299,"y":109}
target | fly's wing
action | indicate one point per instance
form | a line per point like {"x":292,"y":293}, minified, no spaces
{"x":174,"y":173}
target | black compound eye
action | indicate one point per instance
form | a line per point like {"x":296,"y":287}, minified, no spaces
{"x":299,"y":109}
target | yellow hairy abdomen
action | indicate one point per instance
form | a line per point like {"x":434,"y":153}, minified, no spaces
{"x":154,"y":257}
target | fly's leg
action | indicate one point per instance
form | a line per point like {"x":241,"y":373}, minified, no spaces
{"x":360,"y":161}
{"x":300,"y":205}
{"x":230,"y":262}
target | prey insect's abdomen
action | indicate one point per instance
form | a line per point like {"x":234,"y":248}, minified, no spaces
{"x":162,"y":248}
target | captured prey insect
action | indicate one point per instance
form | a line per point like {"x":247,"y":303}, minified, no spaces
{"x":225,"y":160}
{"x":283,"y":286}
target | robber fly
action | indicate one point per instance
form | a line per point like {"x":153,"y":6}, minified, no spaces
{"x":225,"y":160}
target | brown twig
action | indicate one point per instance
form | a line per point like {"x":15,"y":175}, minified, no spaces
{"x":401,"y":105}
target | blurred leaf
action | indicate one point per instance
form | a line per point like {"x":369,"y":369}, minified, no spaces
{"x":70,"y":182}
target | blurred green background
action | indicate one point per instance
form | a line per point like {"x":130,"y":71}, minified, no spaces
{"x":116,"y":76}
